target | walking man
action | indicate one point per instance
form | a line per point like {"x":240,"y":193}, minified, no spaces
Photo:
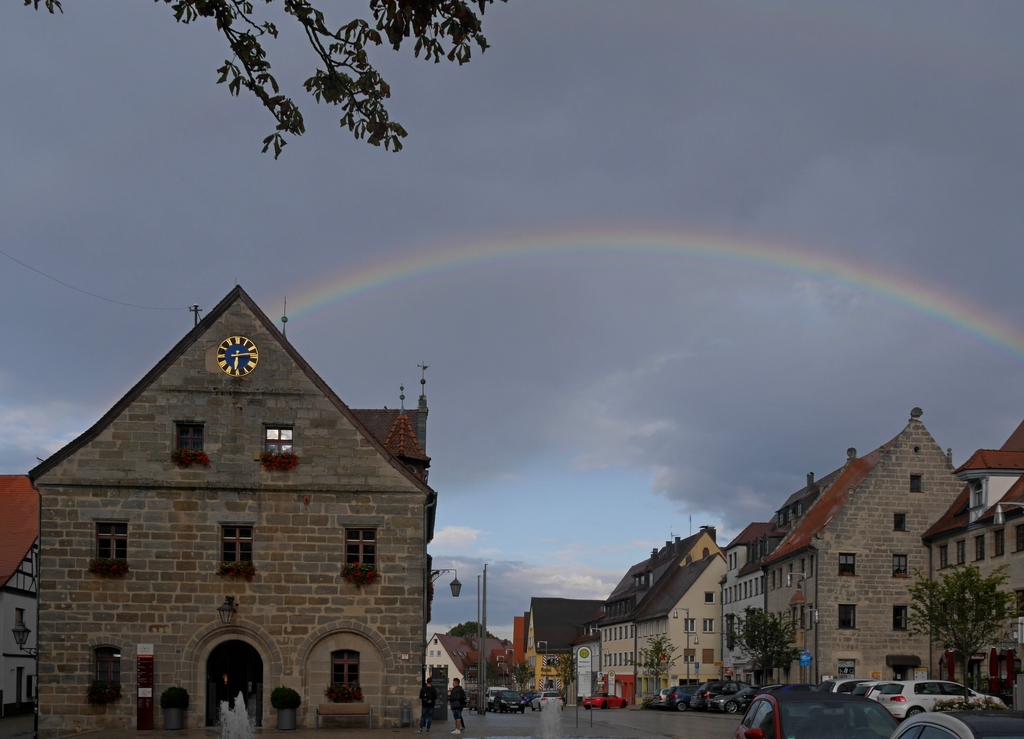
{"x":458,"y":700}
{"x":428,"y":697}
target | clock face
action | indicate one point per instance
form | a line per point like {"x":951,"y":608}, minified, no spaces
{"x":237,"y":356}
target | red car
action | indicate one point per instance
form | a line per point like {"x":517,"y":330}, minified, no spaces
{"x":600,"y":700}
{"x":813,"y":715}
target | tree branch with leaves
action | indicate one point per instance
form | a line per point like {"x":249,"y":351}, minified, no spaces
{"x":766,"y":638}
{"x":344,"y":76}
{"x":657,"y":658}
{"x":962,"y":610}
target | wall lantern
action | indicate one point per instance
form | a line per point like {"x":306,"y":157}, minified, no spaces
{"x":227,"y":610}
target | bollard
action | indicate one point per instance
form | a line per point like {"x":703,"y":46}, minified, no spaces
{"x":405,"y":713}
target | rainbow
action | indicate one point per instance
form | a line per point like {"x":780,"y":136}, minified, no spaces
{"x":938,"y":304}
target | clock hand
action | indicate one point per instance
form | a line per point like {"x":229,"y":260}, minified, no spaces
{"x":236,"y":361}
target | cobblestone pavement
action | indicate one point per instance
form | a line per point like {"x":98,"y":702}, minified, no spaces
{"x":610,"y":724}
{"x":16,"y":726}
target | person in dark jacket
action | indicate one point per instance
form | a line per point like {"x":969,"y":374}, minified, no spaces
{"x":428,"y":698}
{"x":457,"y":697}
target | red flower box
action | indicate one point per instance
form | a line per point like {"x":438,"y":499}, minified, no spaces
{"x":109,"y":567}
{"x":343,"y":693}
{"x":237,"y":569}
{"x":101,"y":693}
{"x":189,"y":457}
{"x":360,"y":574}
{"x":278,"y":461}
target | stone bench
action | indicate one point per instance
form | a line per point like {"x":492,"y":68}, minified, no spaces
{"x":343,"y":709}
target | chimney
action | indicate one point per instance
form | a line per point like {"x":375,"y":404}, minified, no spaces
{"x":851,"y":454}
{"x":654,"y":555}
{"x":710,"y":530}
{"x":810,"y":479}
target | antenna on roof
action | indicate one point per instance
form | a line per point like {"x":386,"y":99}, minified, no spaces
{"x":196,"y":310}
{"x":284,"y":318}
{"x":691,"y":525}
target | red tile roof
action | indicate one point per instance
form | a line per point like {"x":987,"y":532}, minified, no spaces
{"x":954,"y":518}
{"x":993,"y":459}
{"x":402,"y":441}
{"x":1016,"y":441}
{"x":828,"y":505}
{"x":19,"y":522}
{"x":753,"y":532}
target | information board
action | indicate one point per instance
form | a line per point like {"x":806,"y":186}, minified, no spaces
{"x":144,"y":698}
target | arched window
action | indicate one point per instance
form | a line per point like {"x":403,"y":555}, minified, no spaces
{"x":705,"y":553}
{"x":345,"y":666}
{"x":108,"y":664}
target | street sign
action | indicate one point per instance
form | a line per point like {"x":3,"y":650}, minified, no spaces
{"x":696,"y":666}
{"x":805,"y":658}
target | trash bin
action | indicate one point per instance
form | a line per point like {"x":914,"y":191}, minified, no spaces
{"x":405,"y":713}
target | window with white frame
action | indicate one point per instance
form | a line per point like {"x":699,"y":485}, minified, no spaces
{"x":709,"y":625}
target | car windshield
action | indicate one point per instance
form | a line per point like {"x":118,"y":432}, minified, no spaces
{"x":891,"y":689}
{"x":511,"y":695}
{"x":831,"y":720}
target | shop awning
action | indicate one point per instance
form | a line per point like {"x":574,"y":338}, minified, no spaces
{"x":902,"y":660}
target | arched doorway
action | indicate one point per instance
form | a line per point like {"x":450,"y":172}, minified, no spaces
{"x":234,"y":667}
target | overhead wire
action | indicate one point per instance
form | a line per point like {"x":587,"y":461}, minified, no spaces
{"x":86,"y":292}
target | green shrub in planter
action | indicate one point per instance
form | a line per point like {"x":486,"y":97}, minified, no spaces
{"x":283,"y":698}
{"x":174,"y":698}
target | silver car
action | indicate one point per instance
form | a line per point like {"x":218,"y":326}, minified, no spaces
{"x":962,"y":725}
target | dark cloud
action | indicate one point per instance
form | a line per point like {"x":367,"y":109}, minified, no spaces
{"x":878,"y":134}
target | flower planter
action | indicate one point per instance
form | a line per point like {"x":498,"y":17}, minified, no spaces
{"x":108,"y":567}
{"x":245,"y":570}
{"x":278,"y":461}
{"x":189,"y":457}
{"x":174,"y":718}
{"x":360,"y":574}
{"x":343,"y":693}
{"x":286,"y":719}
{"x":101,"y":693}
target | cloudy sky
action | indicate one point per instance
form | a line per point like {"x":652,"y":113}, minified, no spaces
{"x":663,"y":259}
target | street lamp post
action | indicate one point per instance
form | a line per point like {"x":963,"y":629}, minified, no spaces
{"x":481,"y":666}
{"x":21,"y":632}
{"x":456,"y":587}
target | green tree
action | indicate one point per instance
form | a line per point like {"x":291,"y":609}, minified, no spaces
{"x":766,"y":638}
{"x":657,"y":658}
{"x":522,"y":674}
{"x":469,"y":628}
{"x":565,"y":670}
{"x":962,"y":610}
{"x":343,"y":74}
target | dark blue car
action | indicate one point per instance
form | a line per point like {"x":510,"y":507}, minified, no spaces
{"x":678,"y":698}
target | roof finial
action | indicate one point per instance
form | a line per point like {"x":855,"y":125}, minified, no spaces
{"x":402,"y":398}
{"x":284,"y":318}
{"x":423,"y":378}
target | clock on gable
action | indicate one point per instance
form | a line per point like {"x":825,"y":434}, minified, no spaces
{"x":237,"y":356}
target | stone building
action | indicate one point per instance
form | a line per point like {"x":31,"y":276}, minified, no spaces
{"x":984,"y":527}
{"x":842,"y":571}
{"x":234,"y":581}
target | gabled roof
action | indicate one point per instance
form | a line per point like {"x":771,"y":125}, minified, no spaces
{"x":1015,"y":442}
{"x":670,"y":554}
{"x":463,"y":652}
{"x":402,"y":442}
{"x":378,"y":421}
{"x":954,"y":518}
{"x":828,"y":505}
{"x":753,"y":532}
{"x":236,"y":295}
{"x":555,"y":620}
{"x":993,"y":459}
{"x":672,"y":587}
{"x":19,"y":522}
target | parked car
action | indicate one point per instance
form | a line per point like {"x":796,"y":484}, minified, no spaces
{"x":527,"y":699}
{"x":603,"y":700}
{"x":738,"y":702}
{"x":797,"y":687}
{"x":905,"y":698}
{"x":814,"y":715}
{"x":490,"y":696}
{"x":964,"y":725}
{"x":508,"y":701}
{"x":542,"y":698}
{"x":704,"y":693}
{"x":678,"y":698}
{"x":842,"y":685}
{"x":864,"y":688}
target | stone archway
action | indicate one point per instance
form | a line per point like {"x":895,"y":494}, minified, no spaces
{"x":234,"y":668}
{"x":196,"y":659}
